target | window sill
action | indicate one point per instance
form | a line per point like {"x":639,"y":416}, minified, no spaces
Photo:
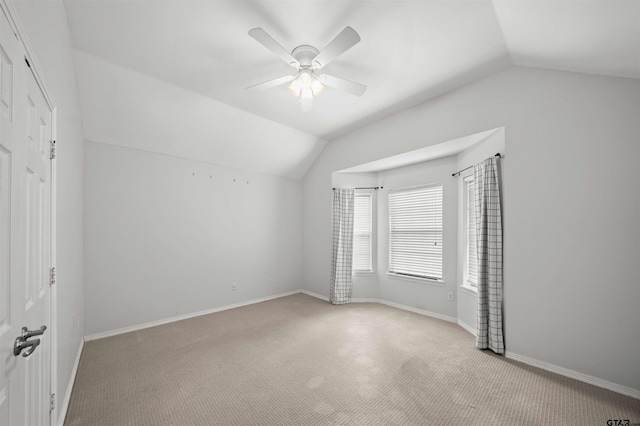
{"x":362,"y":273}
{"x":429,"y":281}
{"x":468,"y":289}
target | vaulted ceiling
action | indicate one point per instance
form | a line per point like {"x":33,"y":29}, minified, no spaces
{"x":410,"y":51}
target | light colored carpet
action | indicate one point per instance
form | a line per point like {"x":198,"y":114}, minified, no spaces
{"x":298,"y":360}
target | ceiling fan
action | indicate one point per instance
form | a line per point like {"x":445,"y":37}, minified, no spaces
{"x":306,"y":83}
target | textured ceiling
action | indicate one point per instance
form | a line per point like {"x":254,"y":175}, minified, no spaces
{"x":410,"y":51}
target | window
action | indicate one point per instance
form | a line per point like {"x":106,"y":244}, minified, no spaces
{"x":362,"y":233}
{"x":415,"y":232}
{"x":470,"y":237}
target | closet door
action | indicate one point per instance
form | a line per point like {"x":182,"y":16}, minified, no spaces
{"x":25,"y":223}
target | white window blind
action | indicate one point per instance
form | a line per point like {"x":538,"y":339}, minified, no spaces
{"x":415,"y":232}
{"x":471,"y":250}
{"x":362,"y":233}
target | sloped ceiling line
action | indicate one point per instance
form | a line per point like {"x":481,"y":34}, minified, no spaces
{"x":410,"y":52}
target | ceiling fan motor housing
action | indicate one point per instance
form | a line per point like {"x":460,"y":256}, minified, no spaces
{"x":305,"y":54}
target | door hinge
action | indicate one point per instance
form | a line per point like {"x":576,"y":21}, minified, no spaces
{"x":53,"y":150}
{"x":52,"y":276}
{"x":52,"y":402}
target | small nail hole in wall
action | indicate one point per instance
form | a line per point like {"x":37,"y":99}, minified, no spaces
{"x":247,"y":182}
{"x":193,"y":174}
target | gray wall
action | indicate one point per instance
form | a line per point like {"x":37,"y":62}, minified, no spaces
{"x":571,"y":208}
{"x":166,"y":236}
{"x":162,"y":243}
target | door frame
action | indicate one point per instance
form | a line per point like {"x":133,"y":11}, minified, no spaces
{"x":36,"y":69}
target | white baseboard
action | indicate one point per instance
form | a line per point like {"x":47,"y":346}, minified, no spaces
{"x":417,"y":310}
{"x":467,"y":327}
{"x":123,"y":330}
{"x":634,"y":393}
{"x":364,"y":300}
{"x":385,"y":302}
{"x":316,"y":295}
{"x":62,"y":408}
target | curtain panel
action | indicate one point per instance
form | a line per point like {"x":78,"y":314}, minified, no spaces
{"x":342,"y":254}
{"x":489,"y":252}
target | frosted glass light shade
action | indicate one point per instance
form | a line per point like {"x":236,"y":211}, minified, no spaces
{"x":305,"y":80}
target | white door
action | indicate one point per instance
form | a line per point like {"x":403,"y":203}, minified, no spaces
{"x":25,"y":249}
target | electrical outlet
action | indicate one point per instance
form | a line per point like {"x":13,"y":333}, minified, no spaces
{"x":450,"y":296}
{"x":234,"y":287}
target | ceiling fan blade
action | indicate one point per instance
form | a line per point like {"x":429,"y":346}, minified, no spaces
{"x":267,"y":41}
{"x":343,"y":42}
{"x":271,"y":83}
{"x":342,"y":84}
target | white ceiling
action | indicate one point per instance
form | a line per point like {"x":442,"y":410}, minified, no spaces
{"x":410,"y":51}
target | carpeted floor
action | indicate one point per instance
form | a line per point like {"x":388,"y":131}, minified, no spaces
{"x":298,"y":360}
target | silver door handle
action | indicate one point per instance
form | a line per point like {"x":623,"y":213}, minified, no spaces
{"x":22,"y":344}
{"x":21,"y":341}
{"x":26,"y":333}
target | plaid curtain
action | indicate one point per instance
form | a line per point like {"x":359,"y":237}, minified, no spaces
{"x":341,"y":259}
{"x":489,"y":243}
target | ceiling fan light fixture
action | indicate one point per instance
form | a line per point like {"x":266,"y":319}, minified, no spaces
{"x":306,"y":93}
{"x":305,"y":78}
{"x":295,"y":87}
{"x":305,"y":86}
{"x":316,"y":86}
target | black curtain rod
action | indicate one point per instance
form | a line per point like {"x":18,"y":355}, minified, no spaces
{"x":460,"y":171}
{"x":366,"y":187}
